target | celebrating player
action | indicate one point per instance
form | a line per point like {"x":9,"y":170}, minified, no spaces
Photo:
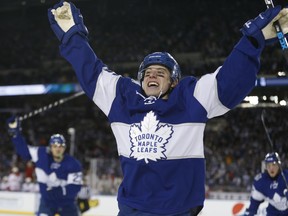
{"x":271,"y":186}
{"x":59,"y":175}
{"x":159,"y":120}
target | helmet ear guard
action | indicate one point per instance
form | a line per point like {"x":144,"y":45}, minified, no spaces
{"x":160,"y":58}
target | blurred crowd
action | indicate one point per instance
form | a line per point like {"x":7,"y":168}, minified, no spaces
{"x":17,"y":180}
{"x":122,"y":33}
{"x":200,"y":34}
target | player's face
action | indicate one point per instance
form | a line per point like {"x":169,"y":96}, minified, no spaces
{"x":57,"y":150}
{"x":272,"y":169}
{"x":157,"y":81}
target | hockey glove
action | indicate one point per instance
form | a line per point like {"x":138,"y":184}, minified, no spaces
{"x":14,"y":126}
{"x":261,"y":28}
{"x":66,"y":20}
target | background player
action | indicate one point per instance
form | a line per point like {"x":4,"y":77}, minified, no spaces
{"x":269,"y":185}
{"x":59,"y":175}
{"x":159,"y":121}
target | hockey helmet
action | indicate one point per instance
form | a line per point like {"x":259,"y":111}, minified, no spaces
{"x":57,"y":139}
{"x":160,"y":58}
{"x":271,"y":158}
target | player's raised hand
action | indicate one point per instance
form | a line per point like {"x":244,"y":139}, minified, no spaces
{"x":261,"y":28}
{"x":14,"y":126}
{"x":63,"y":16}
{"x":269,"y":31}
{"x":66,"y":20}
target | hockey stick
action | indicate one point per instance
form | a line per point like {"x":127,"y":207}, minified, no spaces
{"x":272,"y":144}
{"x":263,"y":114}
{"x":50,"y":106}
{"x":281,"y":37}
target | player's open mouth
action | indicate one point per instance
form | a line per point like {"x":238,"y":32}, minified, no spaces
{"x":153,"y":84}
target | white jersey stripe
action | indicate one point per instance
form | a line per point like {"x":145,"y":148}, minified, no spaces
{"x":33,"y":150}
{"x":206,"y":93}
{"x":257,"y":195}
{"x":105,"y":91}
{"x":179,"y":146}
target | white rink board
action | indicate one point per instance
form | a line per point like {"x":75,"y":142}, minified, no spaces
{"x":108,"y":207}
{"x":24,"y":203}
{"x":14,"y":204}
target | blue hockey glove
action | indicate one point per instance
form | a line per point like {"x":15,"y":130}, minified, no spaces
{"x":66,"y":20}
{"x":261,"y":28}
{"x":14,"y":126}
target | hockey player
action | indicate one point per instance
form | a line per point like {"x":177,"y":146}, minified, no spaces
{"x":270,"y":186}
{"x":59,"y":175}
{"x":158,"y":121}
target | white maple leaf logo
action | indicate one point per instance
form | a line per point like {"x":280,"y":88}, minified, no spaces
{"x":149,"y":139}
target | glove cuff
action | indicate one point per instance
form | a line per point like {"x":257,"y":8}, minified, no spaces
{"x":256,"y":33}
{"x":80,"y":29}
{"x":254,"y":28}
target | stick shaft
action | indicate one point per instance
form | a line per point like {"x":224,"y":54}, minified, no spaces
{"x":49,"y":106}
{"x":273,"y":147}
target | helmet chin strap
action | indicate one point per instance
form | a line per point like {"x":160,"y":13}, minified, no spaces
{"x":161,"y":94}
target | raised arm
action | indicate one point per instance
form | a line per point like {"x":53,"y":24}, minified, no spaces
{"x":239,"y":71}
{"x":229,"y":85}
{"x":67,"y":23}
{"x":20,"y":144}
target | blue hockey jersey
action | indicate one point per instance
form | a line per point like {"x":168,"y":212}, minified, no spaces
{"x":59,"y":183}
{"x":271,"y":190}
{"x":160,"y":142}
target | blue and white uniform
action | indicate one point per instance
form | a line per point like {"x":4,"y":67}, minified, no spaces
{"x":271,"y":190}
{"x":59,"y":182}
{"x":160,"y":142}
{"x":270,"y":186}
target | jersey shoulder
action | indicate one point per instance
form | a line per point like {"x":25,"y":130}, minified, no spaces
{"x":258,"y":177}
{"x":72,"y":163}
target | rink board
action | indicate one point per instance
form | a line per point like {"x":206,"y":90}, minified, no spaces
{"x":13,"y":204}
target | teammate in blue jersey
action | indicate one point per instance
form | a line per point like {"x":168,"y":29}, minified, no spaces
{"x":159,"y":120}
{"x":270,"y":186}
{"x":58,"y":174}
